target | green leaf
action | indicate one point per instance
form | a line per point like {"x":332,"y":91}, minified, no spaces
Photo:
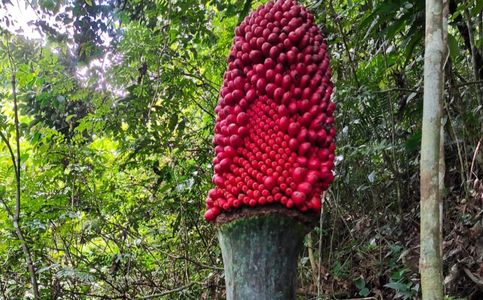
{"x":477,"y":9}
{"x":24,"y":157}
{"x":453,"y":46}
{"x":416,"y":38}
{"x":397,"y":286}
{"x":383,"y":9}
{"x":173,"y":121}
{"x":413,"y":143}
{"x":360,"y":283}
{"x":364,"y":292}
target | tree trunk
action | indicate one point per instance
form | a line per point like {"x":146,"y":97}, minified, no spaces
{"x":260,"y":255}
{"x":430,"y":260}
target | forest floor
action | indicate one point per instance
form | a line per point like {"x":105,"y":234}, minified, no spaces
{"x":377,"y":256}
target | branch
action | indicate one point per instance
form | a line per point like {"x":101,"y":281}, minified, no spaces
{"x":201,"y":78}
{"x":9,"y":211}
{"x":203,"y":109}
{"x":12,"y":156}
{"x":477,"y":82}
{"x":17,"y":138}
{"x":470,"y":175}
{"x":178,"y":289}
{"x":17,"y":132}
{"x":399,"y":90}
{"x":473,"y":277}
{"x":93,"y":295}
{"x":196,"y":263}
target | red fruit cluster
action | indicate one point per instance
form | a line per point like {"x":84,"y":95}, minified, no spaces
{"x":274,"y":134}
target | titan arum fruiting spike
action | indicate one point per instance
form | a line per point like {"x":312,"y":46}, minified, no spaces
{"x":274,"y":133}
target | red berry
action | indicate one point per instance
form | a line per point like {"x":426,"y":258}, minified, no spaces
{"x":314,"y":164}
{"x":235,"y":141}
{"x":305,"y":188}
{"x":256,"y":56}
{"x":299,"y":174}
{"x":284,"y":123}
{"x":293,"y":129}
{"x":313,"y":177}
{"x":298,"y":198}
{"x":261,"y":84}
{"x":304,"y":148}
{"x":210,"y":215}
{"x":269,"y":182}
{"x":315,"y":204}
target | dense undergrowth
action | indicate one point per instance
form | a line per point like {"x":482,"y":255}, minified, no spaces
{"x":116,"y":122}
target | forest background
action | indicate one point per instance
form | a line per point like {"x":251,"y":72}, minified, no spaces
{"x":115,"y":101}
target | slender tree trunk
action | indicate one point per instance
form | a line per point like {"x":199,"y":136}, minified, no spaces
{"x":430,"y":260}
{"x":15,"y":216}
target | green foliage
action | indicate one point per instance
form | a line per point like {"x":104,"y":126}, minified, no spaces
{"x":360,"y":284}
{"x":403,"y":289}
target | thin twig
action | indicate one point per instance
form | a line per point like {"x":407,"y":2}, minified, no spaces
{"x":313,"y":264}
{"x":473,"y":277}
{"x":469,"y":83}
{"x":399,"y":90}
{"x":321,"y":222}
{"x":474,"y":158}
{"x":196,"y":262}
{"x":9,"y":211}
{"x":178,"y":289}
{"x":12,"y":156}
{"x":459,"y":150}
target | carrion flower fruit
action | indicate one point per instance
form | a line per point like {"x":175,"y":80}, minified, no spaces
{"x":274,"y":132}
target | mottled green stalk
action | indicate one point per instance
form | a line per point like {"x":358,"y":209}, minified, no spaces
{"x":260,"y":256}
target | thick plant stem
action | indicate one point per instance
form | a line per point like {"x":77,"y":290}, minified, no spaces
{"x":430,"y":260}
{"x":260,"y":256}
